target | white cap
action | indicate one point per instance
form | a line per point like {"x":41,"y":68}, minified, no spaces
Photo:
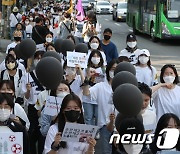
{"x":144,"y":52}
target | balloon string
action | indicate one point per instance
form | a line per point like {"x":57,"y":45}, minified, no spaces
{"x":56,"y":105}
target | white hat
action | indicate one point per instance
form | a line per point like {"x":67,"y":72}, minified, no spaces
{"x":144,"y":52}
{"x":15,"y":9}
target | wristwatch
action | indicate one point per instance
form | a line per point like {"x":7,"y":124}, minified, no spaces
{"x":55,"y":148}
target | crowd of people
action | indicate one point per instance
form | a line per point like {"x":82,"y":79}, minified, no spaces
{"x":86,"y":93}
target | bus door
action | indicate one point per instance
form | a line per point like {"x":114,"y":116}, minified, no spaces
{"x":142,"y":8}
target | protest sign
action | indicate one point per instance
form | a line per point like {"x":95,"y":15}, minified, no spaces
{"x":52,"y":106}
{"x":74,"y":132}
{"x":74,"y":58}
{"x":11,"y":142}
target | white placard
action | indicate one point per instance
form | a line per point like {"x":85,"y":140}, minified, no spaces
{"x":74,"y":58}
{"x":173,"y":14}
{"x":11,"y":142}
{"x":74,"y":132}
{"x":52,"y":106}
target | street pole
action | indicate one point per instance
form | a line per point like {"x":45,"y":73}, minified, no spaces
{"x":2,"y":22}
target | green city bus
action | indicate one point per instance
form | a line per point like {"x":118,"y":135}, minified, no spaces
{"x":158,"y":18}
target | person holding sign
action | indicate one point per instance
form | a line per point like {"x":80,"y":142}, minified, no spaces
{"x":71,"y":111}
{"x":8,"y":123}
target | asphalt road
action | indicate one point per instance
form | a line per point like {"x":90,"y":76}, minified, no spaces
{"x":162,"y":52}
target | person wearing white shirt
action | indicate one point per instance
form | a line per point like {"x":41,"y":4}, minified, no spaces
{"x":71,"y":111}
{"x":166,"y":97}
{"x":131,"y":51}
{"x":14,"y":18}
{"x":149,"y":117}
{"x":93,"y":44}
{"x":20,"y":66}
{"x":17,"y":39}
{"x":6,"y":86}
{"x":102,"y":94}
{"x":145,"y":72}
{"x":28,"y":29}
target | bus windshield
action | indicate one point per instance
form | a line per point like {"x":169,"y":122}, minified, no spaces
{"x":173,"y":10}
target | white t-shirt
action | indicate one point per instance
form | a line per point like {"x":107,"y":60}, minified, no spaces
{"x":102,"y":94}
{"x":146,"y":75}
{"x":72,"y":147}
{"x":13,"y":19}
{"x":149,"y":121}
{"x":29,"y":30}
{"x":12,"y":45}
{"x":103,"y":56}
{"x":167,"y":101}
{"x":132,"y":56}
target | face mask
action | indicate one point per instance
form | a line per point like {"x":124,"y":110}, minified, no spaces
{"x":132,"y":44}
{"x":107,"y":37}
{"x":143,"y":59}
{"x":31,"y":19}
{"x":70,"y":71}
{"x":26,"y":22}
{"x":95,"y":60}
{"x":94,"y":45}
{"x":4,"y":114}
{"x":17,"y":39}
{"x":62,"y":94}
{"x":11,"y":65}
{"x":36,"y":61}
{"x":47,"y":23}
{"x":133,"y":148}
{"x":49,"y":39}
{"x":169,"y":79}
{"x":111,"y":74}
{"x":72,"y":115}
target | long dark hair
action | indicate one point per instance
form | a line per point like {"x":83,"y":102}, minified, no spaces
{"x":90,"y":64}
{"x":61,"y":117}
{"x":8,"y":83}
{"x":92,"y":37}
{"x":148,"y":63}
{"x":163,"y":123}
{"x":109,"y":66}
{"x":176,"y":81}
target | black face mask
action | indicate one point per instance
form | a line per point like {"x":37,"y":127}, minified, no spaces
{"x":17,"y":39}
{"x":107,"y":37}
{"x":72,"y":115}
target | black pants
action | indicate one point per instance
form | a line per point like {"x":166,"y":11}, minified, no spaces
{"x":35,"y":137}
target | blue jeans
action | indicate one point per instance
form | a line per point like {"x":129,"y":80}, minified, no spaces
{"x":105,"y":136}
{"x":12,"y":29}
{"x":90,"y":113}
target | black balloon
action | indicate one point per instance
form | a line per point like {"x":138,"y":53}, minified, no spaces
{"x":123,"y":77}
{"x":120,"y":117}
{"x":76,"y":40}
{"x":67,"y":45}
{"x":18,"y":52}
{"x":57,"y":44}
{"x":81,"y":47}
{"x":125,"y":66}
{"x":27,"y":48}
{"x":49,"y":72}
{"x":52,"y":54}
{"x":127,"y":99}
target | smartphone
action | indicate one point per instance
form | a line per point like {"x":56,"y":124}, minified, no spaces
{"x":12,"y":116}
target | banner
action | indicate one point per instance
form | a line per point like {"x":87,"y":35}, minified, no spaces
{"x":80,"y":12}
{"x":74,"y":58}
{"x":70,"y":10}
{"x":74,"y":132}
{"x":11,"y":142}
{"x":52,"y":106}
{"x":8,"y":2}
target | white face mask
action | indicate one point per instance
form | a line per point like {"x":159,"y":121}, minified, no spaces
{"x":111,"y":74}
{"x":70,"y":71}
{"x":49,"y":39}
{"x":4,"y":114}
{"x":31,"y":19}
{"x":26,"y":22}
{"x":95,"y":60}
{"x":62,"y":94}
{"x":143,"y":59}
{"x":94,"y":45}
{"x":169,"y":79}
{"x":36,"y":61}
{"x":133,"y":148}
{"x":132,"y":44}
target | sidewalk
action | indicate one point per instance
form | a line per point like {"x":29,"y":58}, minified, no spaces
{"x":3,"y":44}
